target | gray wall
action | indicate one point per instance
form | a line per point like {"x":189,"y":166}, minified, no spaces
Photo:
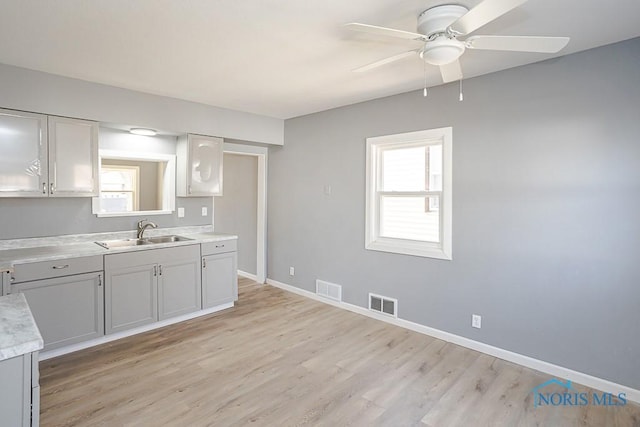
{"x":546,"y":234}
{"x":236,"y":210}
{"x":22,"y":218}
{"x":29,"y":90}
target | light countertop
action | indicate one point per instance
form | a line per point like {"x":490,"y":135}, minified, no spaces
{"x":61,"y":247}
{"x":18,"y":331}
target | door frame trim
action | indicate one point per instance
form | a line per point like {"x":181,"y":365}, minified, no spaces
{"x":261,"y":215}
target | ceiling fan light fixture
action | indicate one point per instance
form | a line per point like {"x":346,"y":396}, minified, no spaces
{"x":442,"y":51}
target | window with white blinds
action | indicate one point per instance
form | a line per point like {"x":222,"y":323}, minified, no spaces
{"x":409,"y":193}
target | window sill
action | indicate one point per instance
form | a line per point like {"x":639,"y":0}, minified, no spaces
{"x":409,"y":247}
{"x":132,"y":213}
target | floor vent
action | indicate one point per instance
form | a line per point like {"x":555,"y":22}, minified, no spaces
{"x":329,"y":290}
{"x":384,"y":305}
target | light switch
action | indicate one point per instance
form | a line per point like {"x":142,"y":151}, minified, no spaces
{"x":204,"y":211}
{"x":327,"y":190}
{"x":180,"y":212}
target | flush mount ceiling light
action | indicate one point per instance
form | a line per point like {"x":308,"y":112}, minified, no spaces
{"x":143,"y":131}
{"x":442,"y":51}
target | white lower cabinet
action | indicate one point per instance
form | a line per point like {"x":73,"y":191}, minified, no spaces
{"x":131,"y":293}
{"x":66,"y":298}
{"x":146,"y":286}
{"x":20,"y":391}
{"x":219,"y":273}
{"x":67,"y":310}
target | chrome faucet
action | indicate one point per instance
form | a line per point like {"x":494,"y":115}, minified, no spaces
{"x":143,"y":224}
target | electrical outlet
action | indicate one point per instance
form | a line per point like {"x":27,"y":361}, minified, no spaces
{"x":204,"y":211}
{"x":292,"y":271}
{"x":476,"y":321}
{"x":180,"y":212}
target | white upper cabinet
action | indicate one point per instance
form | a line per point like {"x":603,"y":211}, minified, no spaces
{"x":23,"y":154}
{"x":73,"y":157}
{"x":199,"y":166}
{"x":55,"y":160}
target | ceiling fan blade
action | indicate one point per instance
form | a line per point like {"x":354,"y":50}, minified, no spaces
{"x":518,"y":43}
{"x":451,"y":71}
{"x":383,"y":31}
{"x":482,"y":14}
{"x":385,"y":61}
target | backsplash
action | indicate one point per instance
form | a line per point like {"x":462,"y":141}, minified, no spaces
{"x":22,"y":218}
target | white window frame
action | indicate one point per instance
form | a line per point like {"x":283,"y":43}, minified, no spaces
{"x":373,"y":240}
{"x":168,"y":185}
{"x":135,"y":192}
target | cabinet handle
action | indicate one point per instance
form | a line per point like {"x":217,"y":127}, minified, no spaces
{"x":99,"y":280}
{"x":51,"y":188}
{"x":204,"y":263}
{"x":160,"y":269}
{"x":219,"y":246}
{"x":155,"y":270}
{"x":60,"y":267}
{"x":190,"y":191}
{"x":44,"y":188}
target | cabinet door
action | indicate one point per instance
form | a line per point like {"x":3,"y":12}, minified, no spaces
{"x":23,"y":158}
{"x":219,"y":279}
{"x":67,"y":309}
{"x":203,"y":168}
{"x":73,"y":157}
{"x":15,"y":391}
{"x":131,"y":297}
{"x":179,"y":287}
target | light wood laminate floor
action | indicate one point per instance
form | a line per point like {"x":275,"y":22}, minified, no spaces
{"x":279,"y":359}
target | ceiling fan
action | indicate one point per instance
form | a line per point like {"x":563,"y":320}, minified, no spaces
{"x":440,"y":27}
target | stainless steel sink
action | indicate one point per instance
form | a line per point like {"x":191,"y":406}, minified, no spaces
{"x":166,"y":239}
{"x":125,"y":243}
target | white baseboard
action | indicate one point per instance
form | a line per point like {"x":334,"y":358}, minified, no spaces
{"x":248,"y":275}
{"x":112,"y":337}
{"x":529,"y":362}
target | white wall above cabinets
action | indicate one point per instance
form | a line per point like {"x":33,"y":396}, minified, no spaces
{"x":199,"y":160}
{"x":47,"y":156}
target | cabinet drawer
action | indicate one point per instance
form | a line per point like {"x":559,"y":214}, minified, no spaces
{"x":49,"y":269}
{"x":211,"y":248}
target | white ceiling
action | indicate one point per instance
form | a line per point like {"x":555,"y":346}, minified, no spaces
{"x":280,"y":58}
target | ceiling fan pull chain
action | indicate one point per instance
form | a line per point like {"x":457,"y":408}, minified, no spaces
{"x":424,"y":92}
{"x":461,"y":98}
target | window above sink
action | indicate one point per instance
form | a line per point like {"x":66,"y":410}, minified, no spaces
{"x":136,"y":173}
{"x":134,"y":184}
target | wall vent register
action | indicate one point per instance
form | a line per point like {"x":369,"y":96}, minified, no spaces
{"x":384,"y":305}
{"x":329,"y":290}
